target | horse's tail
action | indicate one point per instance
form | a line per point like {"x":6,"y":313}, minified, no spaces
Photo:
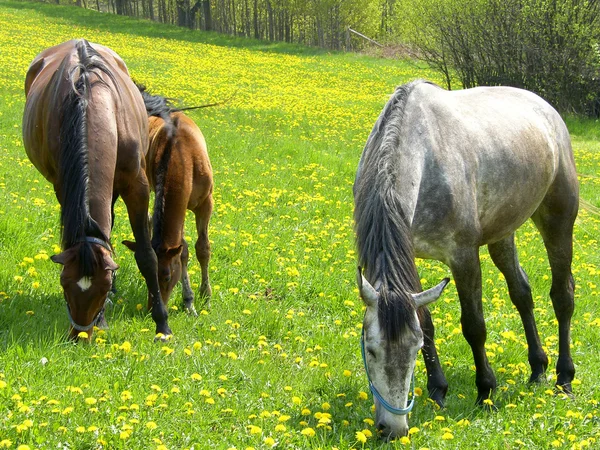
{"x":170,"y":130}
{"x":73,"y":165}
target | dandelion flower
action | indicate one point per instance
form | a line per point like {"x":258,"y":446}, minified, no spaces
{"x":253,"y":429}
{"x":360,"y":436}
{"x":309,"y":432}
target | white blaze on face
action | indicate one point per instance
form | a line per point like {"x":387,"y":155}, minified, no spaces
{"x":85,"y":283}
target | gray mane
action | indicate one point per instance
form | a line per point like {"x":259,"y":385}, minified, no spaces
{"x":383,"y":238}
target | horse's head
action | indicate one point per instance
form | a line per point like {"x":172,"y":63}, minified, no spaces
{"x":169,"y":270}
{"x":390,"y":362}
{"x":169,"y":267}
{"x":85,"y":284}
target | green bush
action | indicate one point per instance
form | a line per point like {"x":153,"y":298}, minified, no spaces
{"x":547,"y":46}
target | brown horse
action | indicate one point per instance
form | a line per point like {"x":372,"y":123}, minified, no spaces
{"x":85,"y":129}
{"x":180,"y":173}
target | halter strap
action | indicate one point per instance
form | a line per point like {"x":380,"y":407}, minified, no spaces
{"x":96,"y":319}
{"x":375,"y":392}
{"x":78,"y":327}
{"x":95,"y":240}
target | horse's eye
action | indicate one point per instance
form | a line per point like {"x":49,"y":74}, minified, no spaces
{"x":371,"y":353}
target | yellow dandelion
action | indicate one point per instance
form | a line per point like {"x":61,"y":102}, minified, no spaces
{"x":253,"y":429}
{"x":309,"y":432}
{"x":82,"y":335}
{"x":447,"y":436}
{"x":151,"y":425}
{"x":125,"y":346}
{"x":360,"y":437}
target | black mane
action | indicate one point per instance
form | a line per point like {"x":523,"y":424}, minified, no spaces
{"x":73,"y":175}
{"x":162,"y":107}
{"x":383,"y":237}
{"x":159,"y":106}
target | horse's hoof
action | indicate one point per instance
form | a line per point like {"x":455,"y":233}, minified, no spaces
{"x":564,"y":389}
{"x":486,"y":404}
{"x":438,"y":395}
{"x":191,"y":310}
{"x":537,"y":378}
{"x":439,"y":401}
{"x":163,"y":337}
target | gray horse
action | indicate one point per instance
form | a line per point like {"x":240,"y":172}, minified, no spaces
{"x":442,"y":174}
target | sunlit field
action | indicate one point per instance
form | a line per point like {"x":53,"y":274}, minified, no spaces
{"x":274,"y":360}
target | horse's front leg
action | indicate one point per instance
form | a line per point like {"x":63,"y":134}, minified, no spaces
{"x":436,"y":381}
{"x":186,"y":288}
{"x":136,"y":198}
{"x":467,"y":275}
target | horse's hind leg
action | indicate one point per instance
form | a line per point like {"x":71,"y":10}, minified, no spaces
{"x":188,"y":293}
{"x":436,"y":381}
{"x":467,"y":276}
{"x":555,"y":219}
{"x":504,"y":255}
{"x":203,"y":245}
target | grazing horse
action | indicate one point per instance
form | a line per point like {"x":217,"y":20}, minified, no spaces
{"x":85,"y":129}
{"x":443,"y":173}
{"x":180,"y":174}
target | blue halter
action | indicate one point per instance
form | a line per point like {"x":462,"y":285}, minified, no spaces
{"x":377,"y":395}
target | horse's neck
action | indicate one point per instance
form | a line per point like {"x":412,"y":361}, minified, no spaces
{"x":100,"y":194}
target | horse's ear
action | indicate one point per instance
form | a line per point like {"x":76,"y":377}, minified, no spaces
{"x":430,"y":295}
{"x":367,"y":292}
{"x":61,"y":258}
{"x":109,"y":263}
{"x":130,"y":245}
{"x":64,"y":257}
{"x":174,"y":252}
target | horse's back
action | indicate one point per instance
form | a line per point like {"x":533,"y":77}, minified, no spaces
{"x":189,"y":164}
{"x":47,"y":85}
{"x":478,"y":163}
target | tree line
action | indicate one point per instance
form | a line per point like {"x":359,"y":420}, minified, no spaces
{"x":551,"y":47}
{"x":321,"y":23}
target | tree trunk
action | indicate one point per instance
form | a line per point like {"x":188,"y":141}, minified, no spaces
{"x":255,"y":14}
{"x":208,"y":26}
{"x":270,"y":20}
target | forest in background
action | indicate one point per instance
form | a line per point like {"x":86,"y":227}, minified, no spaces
{"x":551,"y":47}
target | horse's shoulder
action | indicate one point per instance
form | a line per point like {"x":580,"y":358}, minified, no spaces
{"x":111,"y":57}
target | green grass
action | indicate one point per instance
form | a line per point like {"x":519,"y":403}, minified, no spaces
{"x":278,"y":349}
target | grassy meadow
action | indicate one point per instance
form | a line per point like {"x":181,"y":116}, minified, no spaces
{"x":275,"y":360}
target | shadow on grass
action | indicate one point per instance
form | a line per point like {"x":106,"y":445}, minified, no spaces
{"x":25,"y":322}
{"x":141,"y":27}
